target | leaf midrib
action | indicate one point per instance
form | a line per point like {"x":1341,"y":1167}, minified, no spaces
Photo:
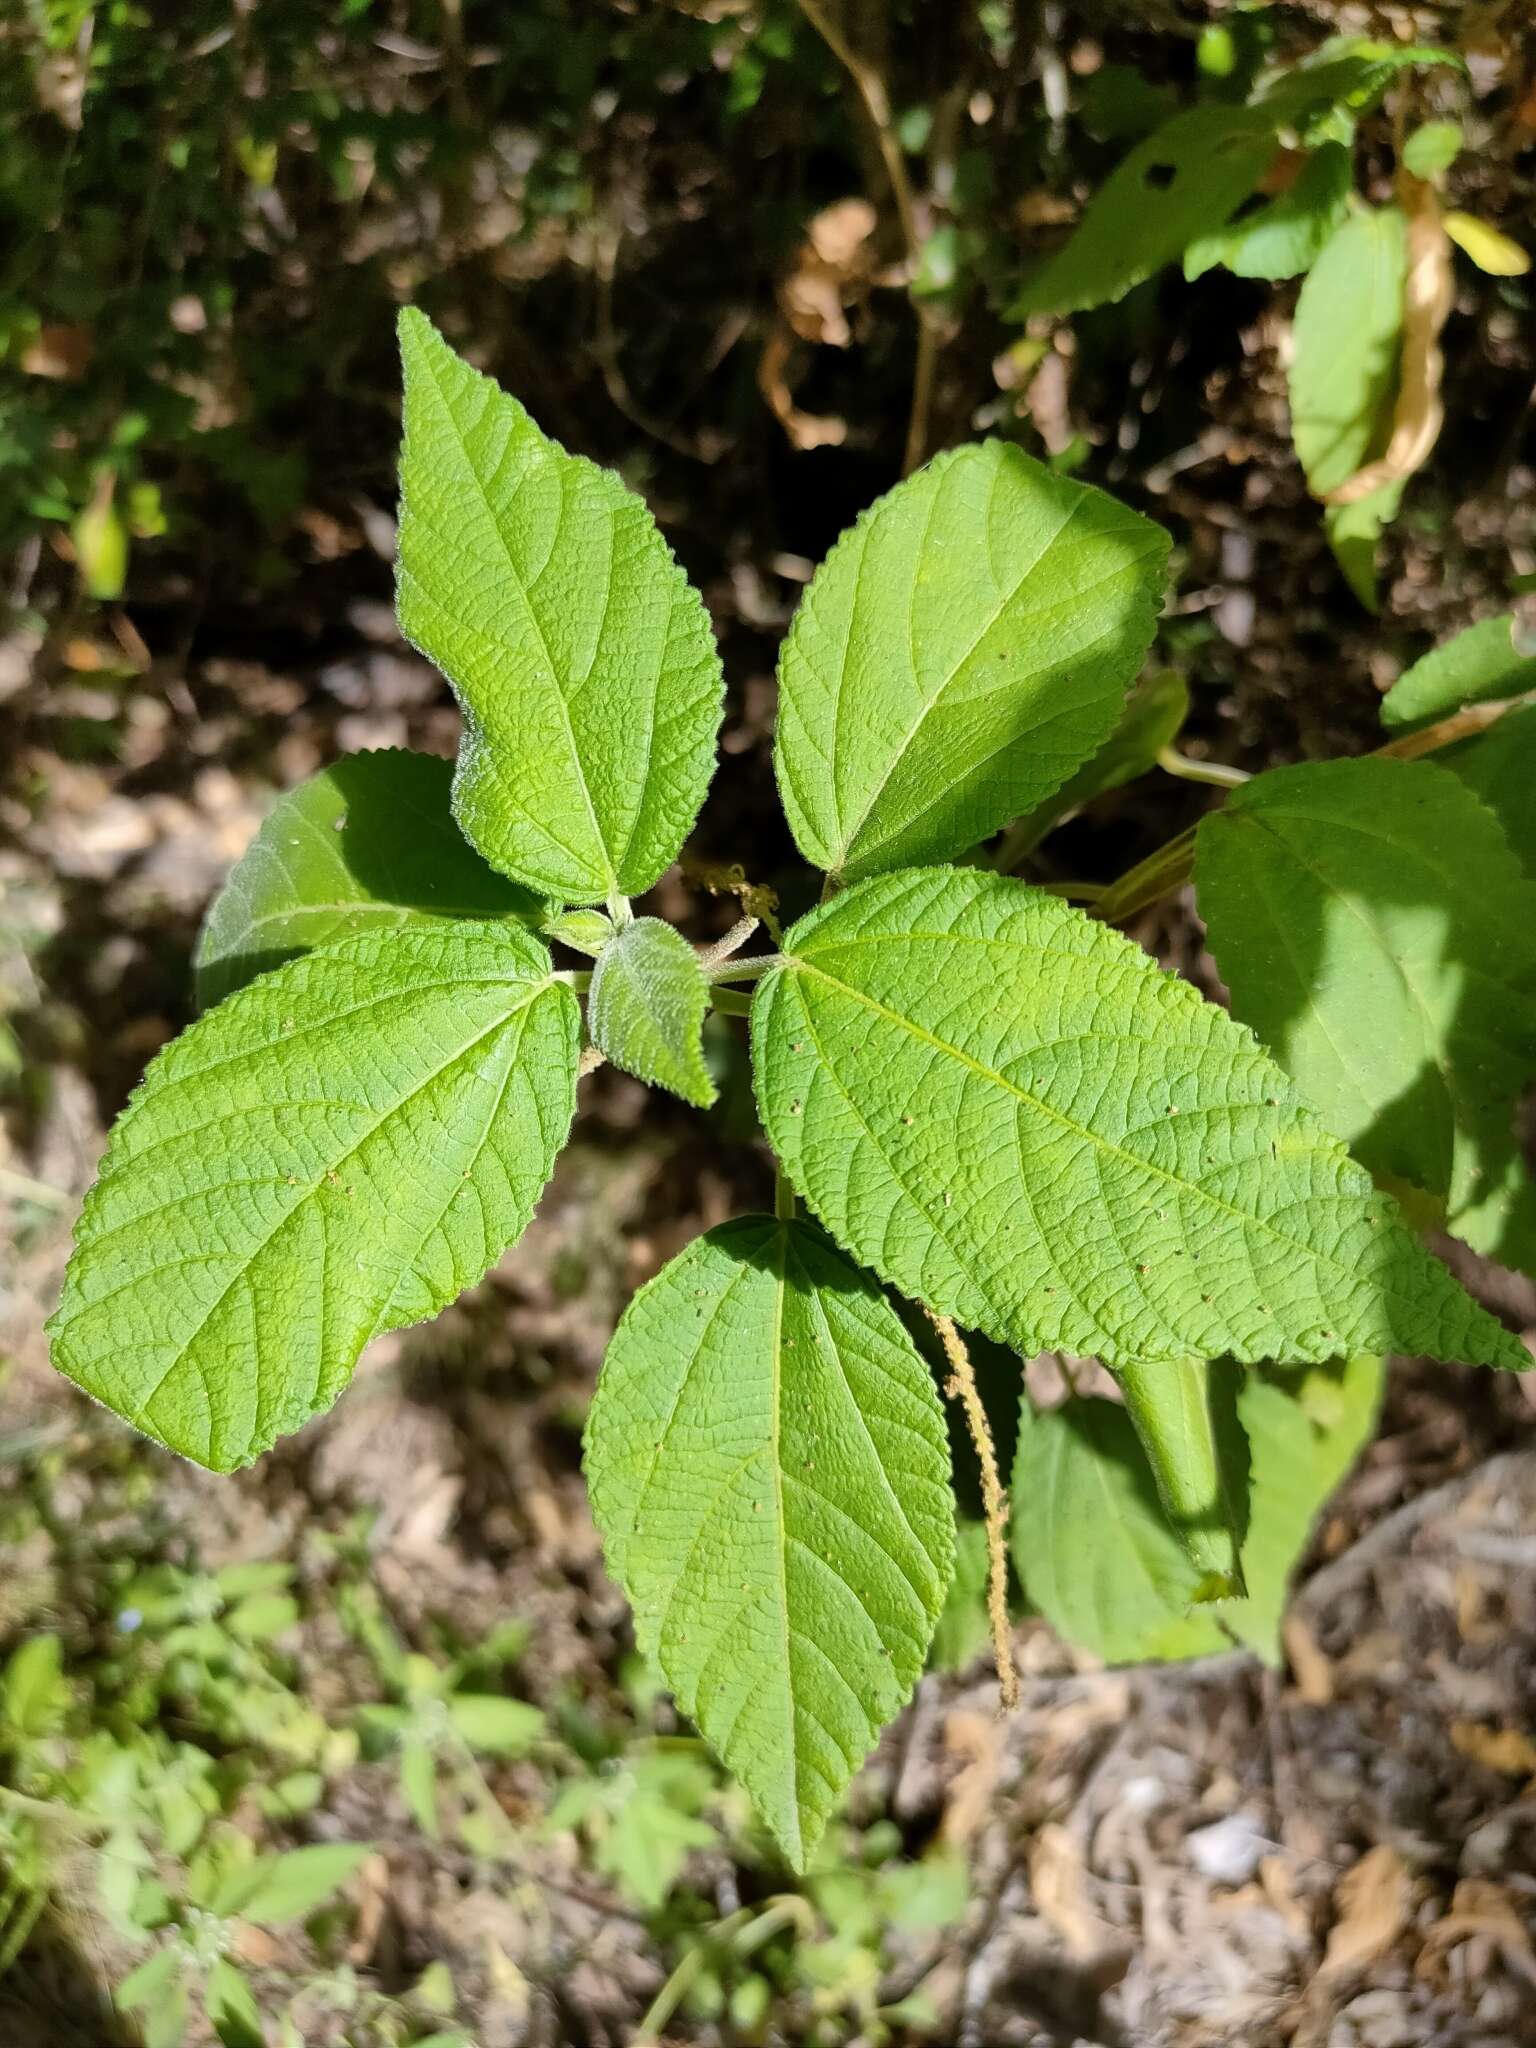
{"x":798,"y":963}
{"x":308,"y":1194}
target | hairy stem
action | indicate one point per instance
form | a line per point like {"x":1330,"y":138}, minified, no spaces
{"x":961,"y":1386}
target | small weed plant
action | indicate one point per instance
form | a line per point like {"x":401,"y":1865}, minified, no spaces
{"x":992,"y":1113}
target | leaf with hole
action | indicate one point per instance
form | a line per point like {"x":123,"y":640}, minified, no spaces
{"x":582,"y":657}
{"x":1185,"y":181}
{"x":768,"y":1466}
{"x":341,"y":1148}
{"x":964,"y":648}
{"x":1009,"y":1113}
{"x":368,"y":844}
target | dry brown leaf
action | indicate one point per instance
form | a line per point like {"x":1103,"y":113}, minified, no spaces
{"x":834,"y":270}
{"x":979,"y":1740}
{"x":1312,"y":1670}
{"x":1372,"y":1903}
{"x":1056,"y":1881}
{"x":1429,"y":290}
{"x":1506,"y":1750}
{"x":62,"y":353}
{"x":1480,"y":1908}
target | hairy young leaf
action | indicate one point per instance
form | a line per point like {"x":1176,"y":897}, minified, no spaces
{"x":646,"y":1009}
{"x":1499,"y":767}
{"x":1187,"y":179}
{"x":581,"y":655}
{"x":1169,"y":1403}
{"x":964,"y":647}
{"x":1285,"y":235}
{"x":1149,"y":721}
{"x":368,"y":843}
{"x":1375,"y":929}
{"x":1091,"y":1544}
{"x":1008,"y":1112}
{"x":339,"y":1149}
{"x":1475,"y":667}
{"x":1093,"y":1548}
{"x":768,"y":1466}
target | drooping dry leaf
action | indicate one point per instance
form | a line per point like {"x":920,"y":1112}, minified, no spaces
{"x":1428,"y":294}
{"x":1509,"y":1751}
{"x":1372,"y":1902}
{"x":833,"y":273}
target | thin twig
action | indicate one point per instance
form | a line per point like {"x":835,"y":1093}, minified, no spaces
{"x":877,"y":104}
{"x":23,"y":1188}
{"x":961,"y":1386}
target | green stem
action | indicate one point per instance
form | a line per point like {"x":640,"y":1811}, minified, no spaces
{"x":577,"y":979}
{"x":744,"y":970}
{"x":784,"y":1207}
{"x":25,"y":1189}
{"x":1172,"y":762}
{"x":730,"y":1002}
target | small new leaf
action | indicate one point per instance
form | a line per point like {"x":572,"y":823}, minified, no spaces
{"x":368,"y":844}
{"x":1009,"y":1113}
{"x":769,"y":1469}
{"x":646,"y":1009}
{"x":339,"y":1149}
{"x":964,"y":648}
{"x":581,"y":655}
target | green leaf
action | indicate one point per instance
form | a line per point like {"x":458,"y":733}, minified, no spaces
{"x":148,"y":1984}
{"x":495,"y":1726}
{"x":964,"y":648}
{"x":1305,"y":1427}
{"x":1169,"y":1404}
{"x":1433,"y":148}
{"x":1009,"y":1113}
{"x":1091,"y":1545}
{"x":963,"y":1626}
{"x":1093,"y":1548}
{"x":1150,"y":720}
{"x":340,"y":1149}
{"x":1188,"y":178}
{"x":1344,"y":77}
{"x":1353,"y":531}
{"x":293,"y":1885}
{"x":418,"y":1787}
{"x":1285,"y":235}
{"x":1499,"y":767}
{"x":584,"y":931}
{"x":646,"y":1009}
{"x":1349,"y":321}
{"x":367,"y":844}
{"x":580,"y":653}
{"x":231,"y":2008}
{"x":1478,"y":666}
{"x":1375,"y":929}
{"x":34,"y":1695}
{"x":768,"y":1466}
{"x":1344,"y":372}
